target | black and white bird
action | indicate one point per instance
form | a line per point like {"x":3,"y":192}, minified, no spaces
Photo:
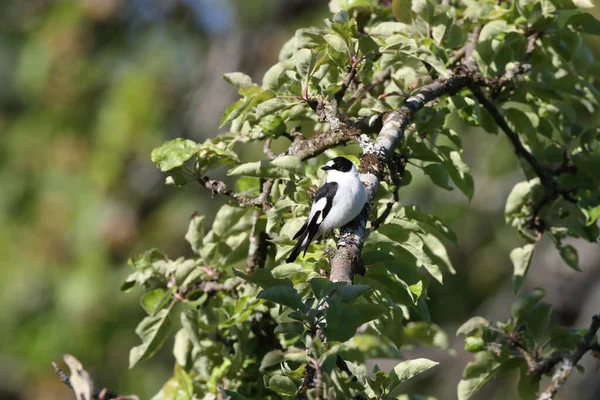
{"x":337,"y":202}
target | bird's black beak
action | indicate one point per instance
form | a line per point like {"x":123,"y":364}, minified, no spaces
{"x":325,"y":168}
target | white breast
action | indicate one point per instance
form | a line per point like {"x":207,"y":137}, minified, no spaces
{"x":348,"y":203}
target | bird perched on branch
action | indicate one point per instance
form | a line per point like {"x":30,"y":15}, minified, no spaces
{"x":337,"y":202}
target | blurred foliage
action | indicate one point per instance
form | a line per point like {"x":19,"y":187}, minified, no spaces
{"x":89,"y":88}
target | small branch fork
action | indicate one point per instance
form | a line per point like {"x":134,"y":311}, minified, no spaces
{"x":220,"y":187}
{"x":563,"y":364}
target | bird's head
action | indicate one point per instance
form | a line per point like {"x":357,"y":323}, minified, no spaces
{"x":338,"y":166}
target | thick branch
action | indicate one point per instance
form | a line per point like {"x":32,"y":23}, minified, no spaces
{"x":347,"y":259}
{"x":564,"y":364}
{"x":308,"y":148}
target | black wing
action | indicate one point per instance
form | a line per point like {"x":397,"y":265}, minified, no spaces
{"x":310,"y":228}
{"x":326,"y":191}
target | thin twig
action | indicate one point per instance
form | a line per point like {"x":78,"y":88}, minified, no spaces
{"x":258,"y":247}
{"x":366,"y":88}
{"x":220,"y":187}
{"x":552,"y":189}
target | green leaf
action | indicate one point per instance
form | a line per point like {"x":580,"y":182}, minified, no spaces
{"x":402,"y":10}
{"x":283,"y":294}
{"x":537,"y":320}
{"x":228,"y":394}
{"x":468,"y":387}
{"x":431,"y":221}
{"x":182,"y":347}
{"x":438,"y":175}
{"x":390,"y":325}
{"x":348,"y":5}
{"x":473,"y":324}
{"x":492,"y":29}
{"x":585,"y":23}
{"x":527,"y":387}
{"x":273,"y":357}
{"x":242,"y":106}
{"x":477,"y":373}
{"x":214,"y":155}
{"x":153,"y":331}
{"x":174,"y":153}
{"x":436,"y":251}
{"x":263,"y":278}
{"x":460,"y":173}
{"x":426,"y":333}
{"x":309,"y":38}
{"x":237,"y":79}
{"x":305,"y":62}
{"x":229,"y":220}
{"x":387,"y":29}
{"x":154,"y":300}
{"x":337,"y":43}
{"x":282,"y":385}
{"x":321,"y":287}
{"x":425,"y":55}
{"x":569,"y":255}
{"x":474,"y":344}
{"x":266,"y":169}
{"x":525,"y":301}
{"x":195,"y":233}
{"x":521,"y":259}
{"x":343,"y":319}
{"x":519,"y":196}
{"x":289,"y":163}
{"x":583,"y":3}
{"x":348,"y":292}
{"x":409,"y":369}
{"x":288,"y":271}
{"x":275,"y":76}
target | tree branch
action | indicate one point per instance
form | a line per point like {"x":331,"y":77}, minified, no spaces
{"x":563,"y":364}
{"x":308,"y":148}
{"x":257,"y":251}
{"x":551,"y":186}
{"x":347,"y":260}
{"x":220,"y":187}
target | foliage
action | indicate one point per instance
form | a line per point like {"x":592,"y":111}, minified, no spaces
{"x":279,"y":330}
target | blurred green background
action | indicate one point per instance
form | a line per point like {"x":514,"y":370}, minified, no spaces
{"x":88,"y":88}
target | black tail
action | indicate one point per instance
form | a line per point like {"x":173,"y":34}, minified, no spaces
{"x":297,"y":248}
{"x":305,"y":235}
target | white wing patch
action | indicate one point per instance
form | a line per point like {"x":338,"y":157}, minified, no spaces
{"x":319,"y":206}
